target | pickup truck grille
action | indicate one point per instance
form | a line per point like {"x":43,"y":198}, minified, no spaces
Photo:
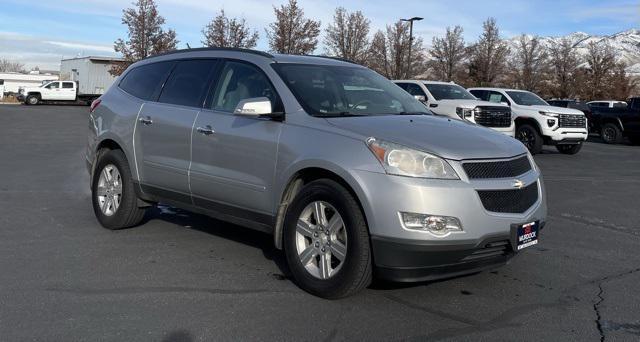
{"x":497,"y":169}
{"x":493,"y":116}
{"x":510,"y":201}
{"x":572,"y":121}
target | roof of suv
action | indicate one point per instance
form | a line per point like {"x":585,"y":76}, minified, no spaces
{"x":278,"y":58}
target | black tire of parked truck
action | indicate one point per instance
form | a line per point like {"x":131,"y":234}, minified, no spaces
{"x":32,"y":100}
{"x":355,"y":272}
{"x":611,"y":133}
{"x":569,"y":149}
{"x":127,"y":213}
{"x":529,"y":136}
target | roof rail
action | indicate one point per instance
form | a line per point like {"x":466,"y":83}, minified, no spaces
{"x":334,"y":58}
{"x":255,"y":52}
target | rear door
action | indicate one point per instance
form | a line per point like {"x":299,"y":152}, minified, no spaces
{"x":631,"y":118}
{"x":234,"y":157}
{"x":163,"y":128}
{"x":68,"y":91}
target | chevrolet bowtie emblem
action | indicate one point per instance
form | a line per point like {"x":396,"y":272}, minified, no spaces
{"x":518,"y":184}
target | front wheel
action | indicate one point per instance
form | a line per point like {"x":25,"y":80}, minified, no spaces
{"x":32,"y":100}
{"x":115,"y":202}
{"x":569,"y":149}
{"x":326,"y":241}
{"x":530,"y":137}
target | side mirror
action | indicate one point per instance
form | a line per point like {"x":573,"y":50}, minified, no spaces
{"x":255,"y":107}
{"x":420,"y":98}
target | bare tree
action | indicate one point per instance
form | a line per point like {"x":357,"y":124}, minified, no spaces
{"x":564,"y":63}
{"x":291,"y":32}
{"x":601,"y":61}
{"x":10,"y":66}
{"x":530,"y":64}
{"x":448,"y":53}
{"x":388,"y":53}
{"x":620,"y":84}
{"x":347,"y":36}
{"x":225,"y":32}
{"x":488,"y":55}
{"x":146,"y":36}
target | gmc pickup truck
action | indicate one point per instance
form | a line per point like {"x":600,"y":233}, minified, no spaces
{"x":55,"y":91}
{"x":615,"y":123}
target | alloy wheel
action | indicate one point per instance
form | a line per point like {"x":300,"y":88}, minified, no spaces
{"x":109,"y":190}
{"x":321,"y":240}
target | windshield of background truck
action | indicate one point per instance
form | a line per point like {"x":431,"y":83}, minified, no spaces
{"x":525,"y":98}
{"x":449,"y":92}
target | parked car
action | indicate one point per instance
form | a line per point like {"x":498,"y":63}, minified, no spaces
{"x":538,"y":123}
{"x":452,"y":100}
{"x":345,"y":169}
{"x":608,"y":104}
{"x":575,"y":104}
{"x":615,"y":123}
{"x":55,"y":91}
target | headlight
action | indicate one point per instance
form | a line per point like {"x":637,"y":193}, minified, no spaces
{"x":464,"y":112}
{"x":403,"y":161}
{"x":555,"y":115}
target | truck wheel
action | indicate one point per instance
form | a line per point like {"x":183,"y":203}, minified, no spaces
{"x":32,"y":100}
{"x":611,"y":134}
{"x":569,"y":149}
{"x":326,"y":241}
{"x":113,"y":195}
{"x":530,"y":137}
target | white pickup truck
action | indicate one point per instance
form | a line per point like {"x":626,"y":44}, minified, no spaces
{"x":55,"y":91}
{"x":452,"y":100}
{"x":538,"y":123}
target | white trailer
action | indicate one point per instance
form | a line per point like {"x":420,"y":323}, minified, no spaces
{"x":91,"y":73}
{"x":13,"y":81}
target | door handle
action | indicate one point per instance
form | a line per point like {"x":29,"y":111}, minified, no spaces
{"x":207,"y":130}
{"x":146,"y":120}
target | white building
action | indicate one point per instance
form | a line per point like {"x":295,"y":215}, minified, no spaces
{"x":91,"y":73}
{"x":14,"y":80}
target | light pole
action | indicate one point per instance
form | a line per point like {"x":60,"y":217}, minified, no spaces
{"x":410,"y":20}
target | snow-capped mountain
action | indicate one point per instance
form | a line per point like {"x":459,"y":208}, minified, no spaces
{"x":626,"y":46}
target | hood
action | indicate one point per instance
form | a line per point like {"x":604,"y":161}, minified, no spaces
{"x":554,"y":109}
{"x":470,"y":104}
{"x":444,"y":137}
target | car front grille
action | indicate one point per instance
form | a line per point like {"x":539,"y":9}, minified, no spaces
{"x":572,"y":121}
{"x":497,"y":169}
{"x":490,"y":250}
{"x":493,"y":116}
{"x":510,"y":201}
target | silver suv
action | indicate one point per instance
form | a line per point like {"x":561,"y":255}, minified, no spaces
{"x":351,"y":174}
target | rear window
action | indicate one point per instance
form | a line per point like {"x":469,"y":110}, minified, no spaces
{"x":188,"y":83}
{"x":67,"y":85}
{"x":145,"y":81}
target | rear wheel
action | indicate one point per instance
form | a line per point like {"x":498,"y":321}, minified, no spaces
{"x":115,"y":203}
{"x":530,"y":137}
{"x":326,"y":241}
{"x":611,"y":134}
{"x":569,"y":149}
{"x":32,"y":100}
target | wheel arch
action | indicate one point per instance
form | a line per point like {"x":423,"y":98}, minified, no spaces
{"x":612,"y":120}
{"x":519,"y":121}
{"x":111,"y":142}
{"x":304,"y":175}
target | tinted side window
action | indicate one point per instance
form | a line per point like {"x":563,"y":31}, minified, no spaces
{"x":402,"y":85}
{"x":481,"y":94}
{"x":414,"y":89}
{"x":145,"y":81}
{"x":240,"y":81}
{"x":188,"y":83}
{"x":67,"y":85}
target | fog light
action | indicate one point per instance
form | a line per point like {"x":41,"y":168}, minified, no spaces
{"x":439,"y":225}
{"x":551,"y":122}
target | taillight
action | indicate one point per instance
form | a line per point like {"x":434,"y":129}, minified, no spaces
{"x":94,"y":105}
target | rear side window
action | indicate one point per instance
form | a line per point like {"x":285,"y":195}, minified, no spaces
{"x":188,"y":83}
{"x":67,"y":85}
{"x":145,"y":81}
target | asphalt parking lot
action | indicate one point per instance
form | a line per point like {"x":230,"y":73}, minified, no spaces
{"x":186,"y":277}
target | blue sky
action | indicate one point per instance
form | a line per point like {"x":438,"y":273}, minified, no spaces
{"x":40,"y":33}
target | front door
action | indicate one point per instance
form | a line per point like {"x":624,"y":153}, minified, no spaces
{"x":234,"y":157}
{"x":51,"y":91}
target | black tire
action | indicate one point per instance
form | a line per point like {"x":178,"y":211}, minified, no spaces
{"x":32,"y":100}
{"x":529,"y":136}
{"x":128,"y":213}
{"x":611,"y":134}
{"x":356,"y":271}
{"x":569,"y":149}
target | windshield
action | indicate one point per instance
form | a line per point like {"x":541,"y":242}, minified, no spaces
{"x":525,"y":98}
{"x":326,"y":90}
{"x":449,"y":92}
